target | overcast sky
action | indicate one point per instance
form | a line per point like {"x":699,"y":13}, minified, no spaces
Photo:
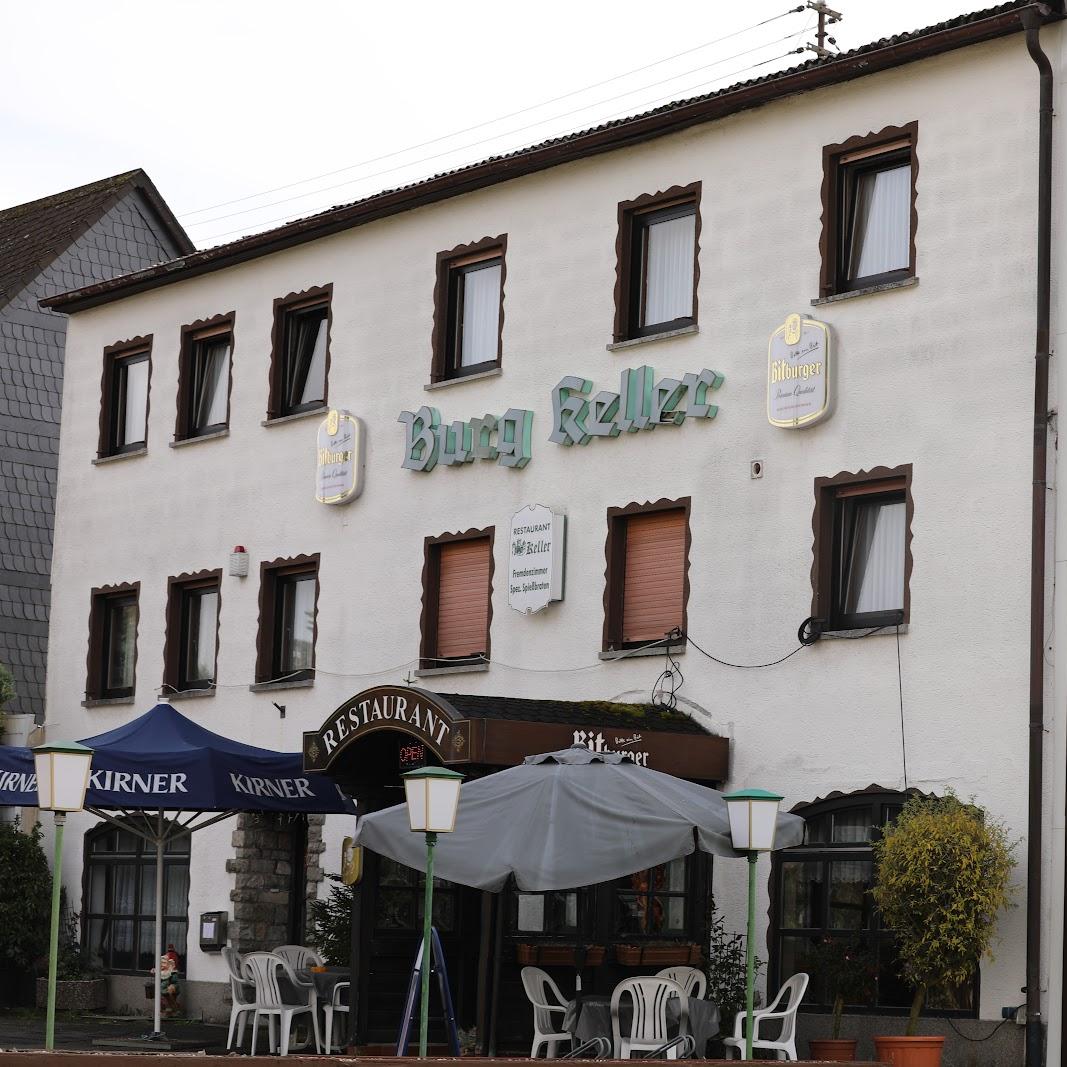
{"x":228,"y":100}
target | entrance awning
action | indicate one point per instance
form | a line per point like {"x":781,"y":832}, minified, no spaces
{"x":501,"y":731}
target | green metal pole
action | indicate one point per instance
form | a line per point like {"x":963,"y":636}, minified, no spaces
{"x":750,"y":975}
{"x":53,"y":943}
{"x":427,"y":920}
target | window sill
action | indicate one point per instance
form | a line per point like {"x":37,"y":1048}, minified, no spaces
{"x":643,"y":650}
{"x":187,"y":694}
{"x":294,"y":683}
{"x":458,"y":668}
{"x":99,"y":702}
{"x":681,"y":332}
{"x":494,"y":372}
{"x":101,"y":460}
{"x":888,"y":629}
{"x":885,"y":287}
{"x":213,"y":436}
{"x":282,"y":419}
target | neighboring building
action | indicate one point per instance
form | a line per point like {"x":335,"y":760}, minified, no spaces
{"x":70,"y":239}
{"x":502,"y":321}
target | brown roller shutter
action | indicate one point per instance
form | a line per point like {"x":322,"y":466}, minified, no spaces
{"x":463,"y":598}
{"x":654,"y":582}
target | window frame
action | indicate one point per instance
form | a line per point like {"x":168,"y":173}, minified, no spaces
{"x":312,"y":297}
{"x":179,"y":589}
{"x":431,"y":576}
{"x":688,"y":896}
{"x":877,"y":800}
{"x":615,"y":568}
{"x":634,"y":217}
{"x":100,"y":601}
{"x":192,"y":335}
{"x":267,"y":634}
{"x":119,"y":353}
{"x":140,"y":859}
{"x":452,"y":265}
{"x":837,"y":171}
{"x":825,"y":545}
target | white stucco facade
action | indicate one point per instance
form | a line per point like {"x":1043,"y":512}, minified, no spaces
{"x":938,"y":375}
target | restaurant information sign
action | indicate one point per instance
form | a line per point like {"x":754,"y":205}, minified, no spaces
{"x":535,"y":558}
{"x":798,"y":373}
{"x":339,"y":459}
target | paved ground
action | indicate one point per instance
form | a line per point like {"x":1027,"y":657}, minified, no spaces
{"x":24,"y":1029}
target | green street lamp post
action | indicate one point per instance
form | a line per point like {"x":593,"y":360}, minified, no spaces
{"x":432,"y":795}
{"x":753,"y":817}
{"x":62,"y":779}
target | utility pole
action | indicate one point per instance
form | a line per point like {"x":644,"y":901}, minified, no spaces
{"x":827,"y":17}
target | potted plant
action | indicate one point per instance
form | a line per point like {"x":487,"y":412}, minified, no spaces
{"x":468,"y":1041}
{"x":942,"y":879}
{"x":725,"y":971}
{"x":77,"y":987}
{"x":848,"y":971}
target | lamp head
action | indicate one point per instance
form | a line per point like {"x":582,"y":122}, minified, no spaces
{"x":753,"y":818}
{"x":432,"y":795}
{"x":62,"y":775}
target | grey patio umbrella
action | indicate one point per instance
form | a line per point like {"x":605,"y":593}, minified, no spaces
{"x":563,"y":820}
{"x":567,"y":819}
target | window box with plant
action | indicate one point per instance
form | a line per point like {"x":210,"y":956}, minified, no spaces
{"x":660,"y":954}
{"x":556,"y":954}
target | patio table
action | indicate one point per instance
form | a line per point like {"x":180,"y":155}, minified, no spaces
{"x":589,"y":1016}
{"x":325,"y":981}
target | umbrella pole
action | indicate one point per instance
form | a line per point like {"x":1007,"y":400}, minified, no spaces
{"x":157,"y":1030}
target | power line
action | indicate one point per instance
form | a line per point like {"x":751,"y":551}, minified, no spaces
{"x":510,"y":133}
{"x":500,"y":118}
{"x":676,"y":95}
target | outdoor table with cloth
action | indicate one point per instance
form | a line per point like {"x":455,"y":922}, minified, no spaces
{"x":326,"y":980}
{"x":590,"y":1016}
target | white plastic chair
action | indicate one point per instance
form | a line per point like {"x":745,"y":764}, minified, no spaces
{"x":299,"y":956}
{"x":547,"y":1000}
{"x":648,"y":1024}
{"x":784,"y":1007}
{"x":692,"y":981}
{"x":328,"y":1008}
{"x":263,"y":968}
{"x":242,"y":993}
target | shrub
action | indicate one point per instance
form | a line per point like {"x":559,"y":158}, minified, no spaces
{"x":331,"y":923}
{"x":942,"y":880}
{"x":7,"y":691}
{"x":726,"y":970}
{"x":25,"y":897}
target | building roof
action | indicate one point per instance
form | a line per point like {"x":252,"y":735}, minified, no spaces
{"x":574,"y":712}
{"x":883,"y":54}
{"x":32,"y":235}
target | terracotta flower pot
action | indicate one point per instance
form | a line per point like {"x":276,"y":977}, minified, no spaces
{"x":909,"y":1051}
{"x":836,"y":1050}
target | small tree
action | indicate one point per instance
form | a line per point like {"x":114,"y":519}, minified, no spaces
{"x":943,"y":872}
{"x":847,"y":969}
{"x":25,"y":897}
{"x":331,"y":923}
{"x":726,"y":969}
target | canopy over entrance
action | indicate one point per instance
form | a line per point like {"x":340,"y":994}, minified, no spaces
{"x":500,"y":731}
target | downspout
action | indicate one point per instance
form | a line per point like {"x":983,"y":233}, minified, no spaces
{"x":1031,"y":18}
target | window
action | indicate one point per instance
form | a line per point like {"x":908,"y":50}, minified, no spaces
{"x":821,"y":889}
{"x":869,"y":210}
{"x":657,"y":269}
{"x":469,"y":309}
{"x":288,"y":606}
{"x":124,"y":400}
{"x":191,"y":643}
{"x":300,"y":353}
{"x":457,"y":598}
{"x":863,"y":549}
{"x":652,"y":903}
{"x":204,"y":378}
{"x":112,"y":643}
{"x":119,"y":900}
{"x":548,"y":914}
{"x":647,"y":573}
{"x":401,"y":899}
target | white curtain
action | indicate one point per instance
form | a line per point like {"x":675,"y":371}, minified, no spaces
{"x":122,"y":626}
{"x":300,"y":626}
{"x":210,"y":400}
{"x":136,"y":414}
{"x":881,"y":228}
{"x":203,"y":616}
{"x":669,"y":270}
{"x":874,"y":579}
{"x":314,"y":386}
{"x":481,"y":316}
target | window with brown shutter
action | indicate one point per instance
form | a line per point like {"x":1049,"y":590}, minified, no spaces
{"x":647,"y":573}
{"x":457,"y":598}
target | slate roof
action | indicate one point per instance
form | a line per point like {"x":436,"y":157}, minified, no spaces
{"x":33,"y":234}
{"x":883,"y":54}
{"x":574,"y":712}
